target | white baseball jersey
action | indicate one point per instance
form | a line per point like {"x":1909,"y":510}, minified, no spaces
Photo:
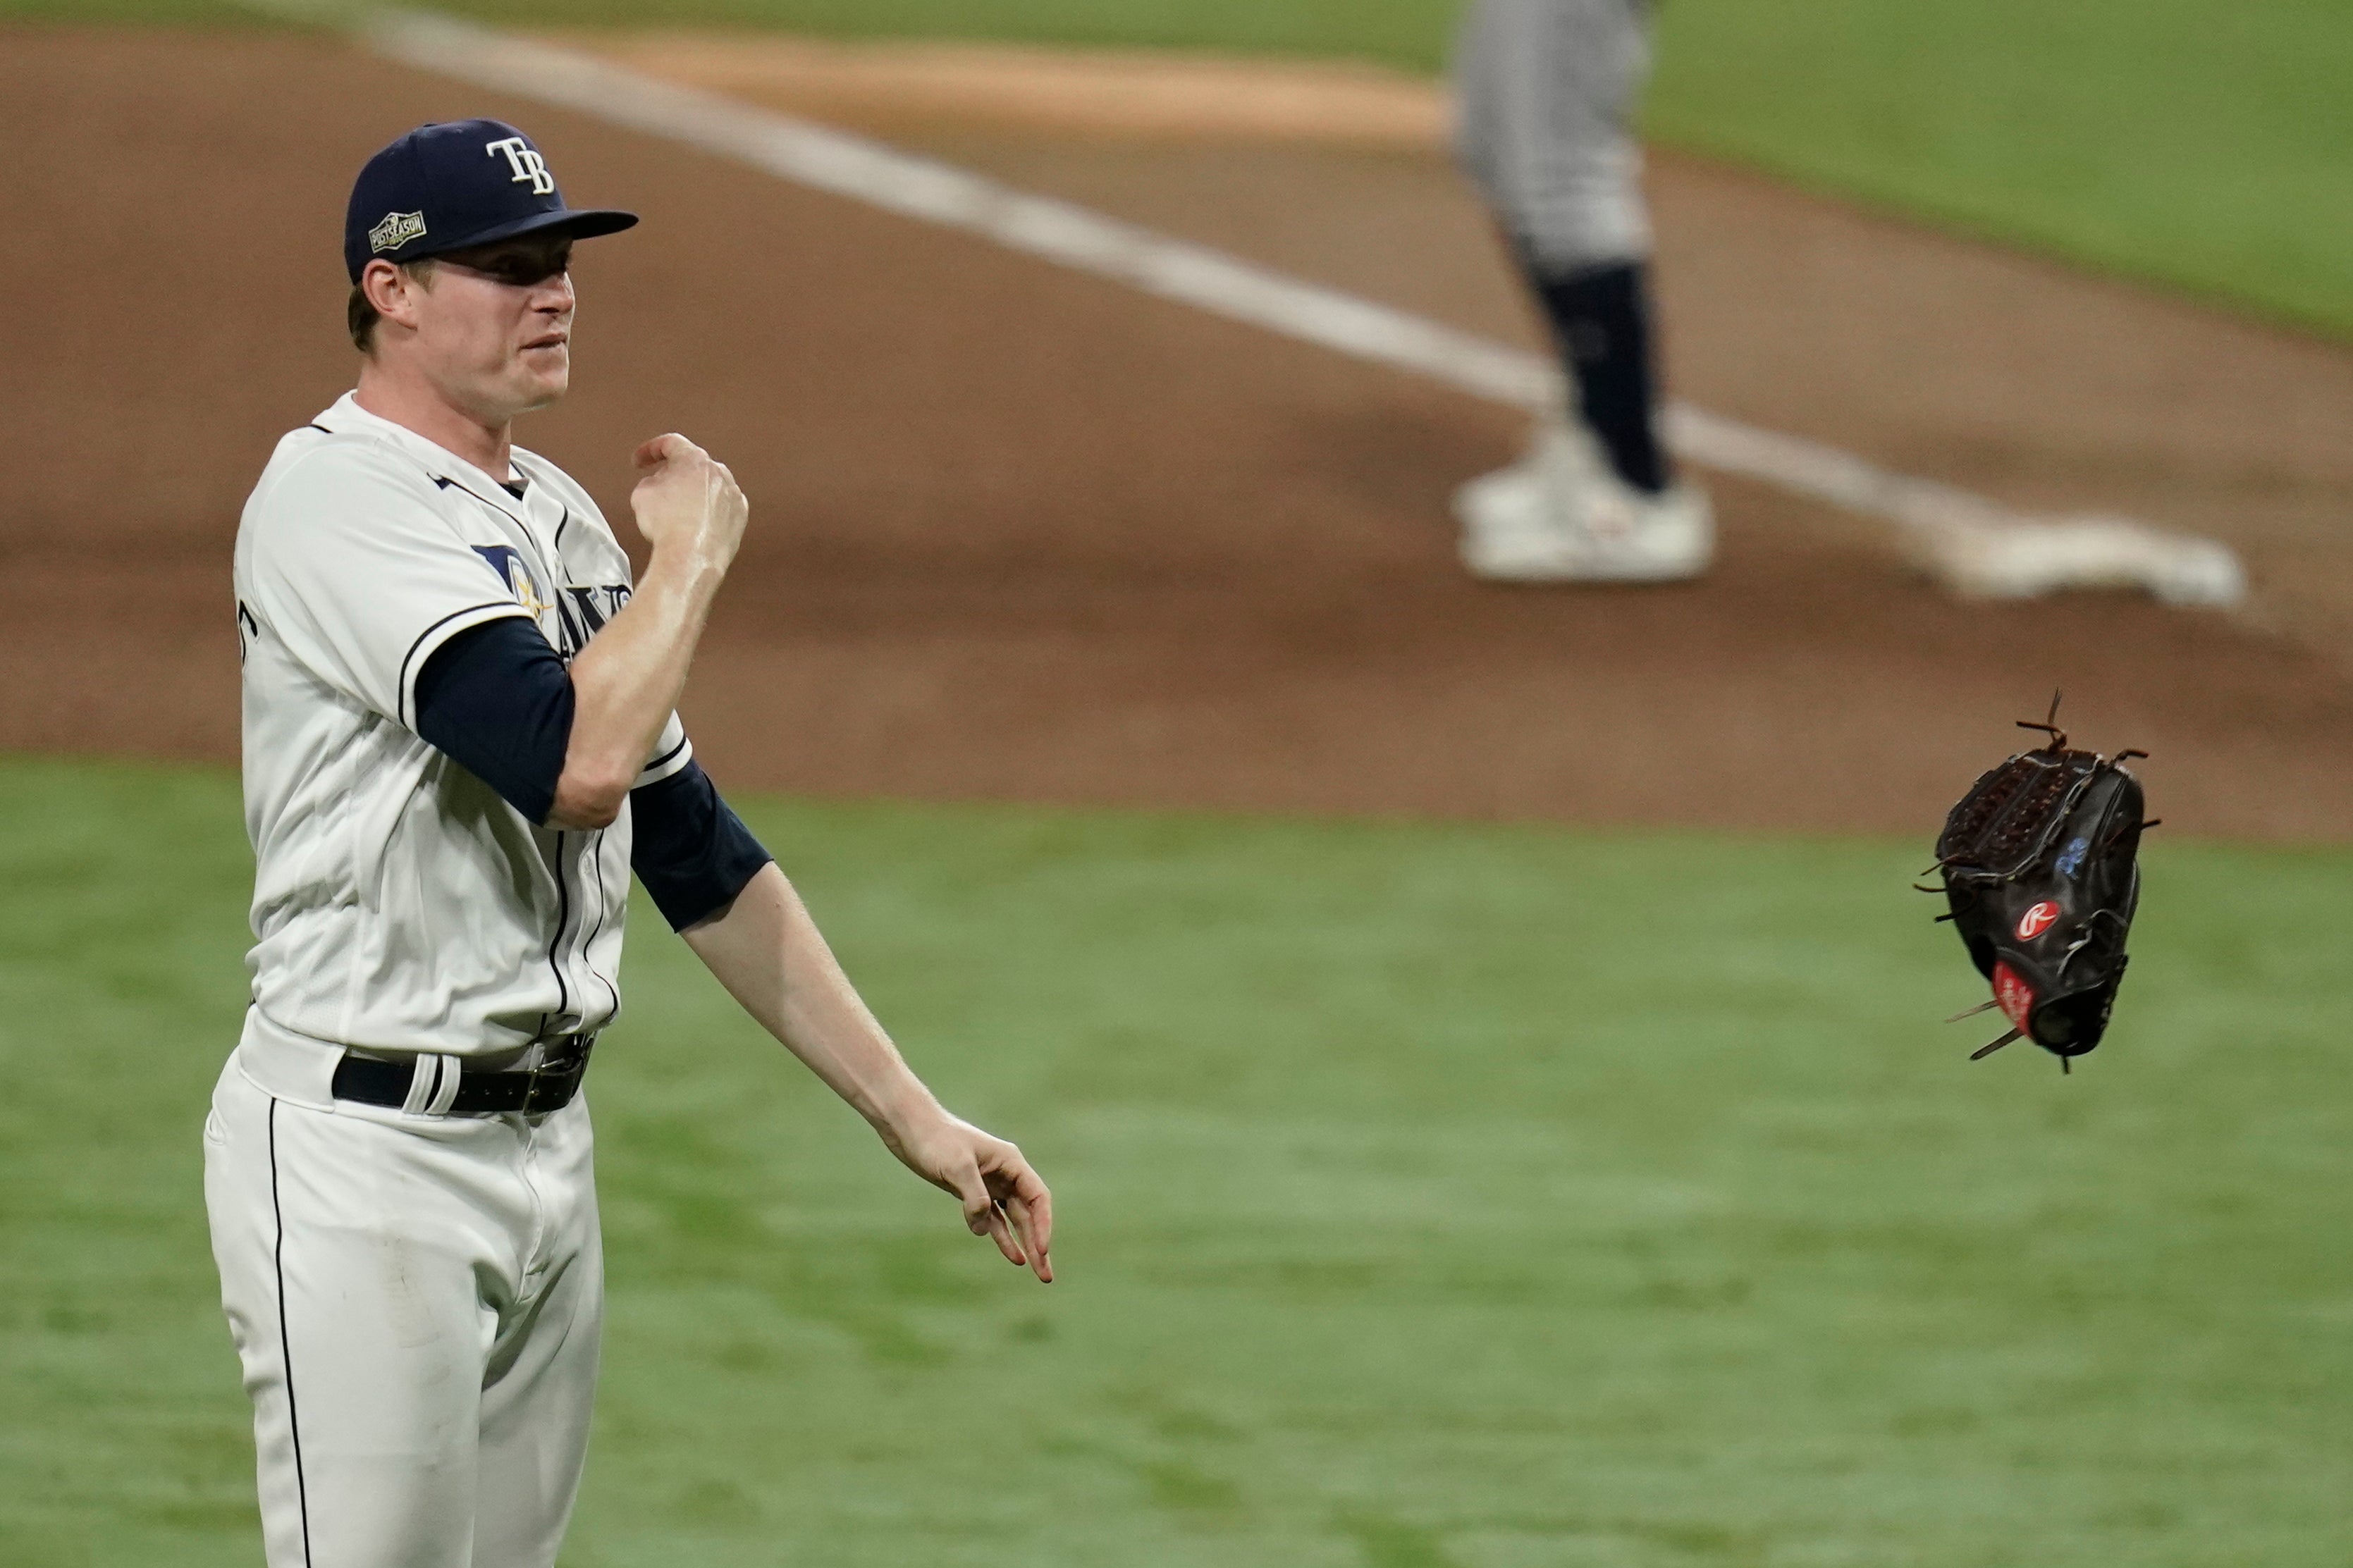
{"x":400,"y":903}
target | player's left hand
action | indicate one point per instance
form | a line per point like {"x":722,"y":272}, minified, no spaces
{"x":1003,"y":1198}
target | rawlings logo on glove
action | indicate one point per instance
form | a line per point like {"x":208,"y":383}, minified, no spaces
{"x":2041,"y":871}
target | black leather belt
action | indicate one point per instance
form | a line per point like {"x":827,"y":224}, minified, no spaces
{"x":550,"y":1086}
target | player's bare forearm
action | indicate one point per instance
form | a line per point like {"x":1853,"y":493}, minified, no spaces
{"x":625,"y":682}
{"x":769,"y":953}
{"x":629,"y":677}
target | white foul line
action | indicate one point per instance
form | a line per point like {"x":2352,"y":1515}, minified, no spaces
{"x":1976,"y":544}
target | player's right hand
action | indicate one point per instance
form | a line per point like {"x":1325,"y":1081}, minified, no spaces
{"x":686,"y":499}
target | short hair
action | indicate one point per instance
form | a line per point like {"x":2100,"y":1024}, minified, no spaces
{"x":360,"y":317}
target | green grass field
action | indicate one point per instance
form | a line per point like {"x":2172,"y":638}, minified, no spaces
{"x":2193,"y":143}
{"x":1433,"y":1197}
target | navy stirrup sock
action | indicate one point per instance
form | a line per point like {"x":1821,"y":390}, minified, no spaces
{"x":1601,"y":321}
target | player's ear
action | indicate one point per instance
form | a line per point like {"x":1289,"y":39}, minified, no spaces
{"x":391,"y":292}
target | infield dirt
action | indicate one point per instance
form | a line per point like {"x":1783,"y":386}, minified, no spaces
{"x":1021,"y":533}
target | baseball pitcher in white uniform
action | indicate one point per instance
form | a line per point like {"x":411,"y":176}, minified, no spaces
{"x":460,"y":743}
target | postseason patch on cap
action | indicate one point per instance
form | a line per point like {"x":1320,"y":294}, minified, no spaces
{"x":397,"y":230}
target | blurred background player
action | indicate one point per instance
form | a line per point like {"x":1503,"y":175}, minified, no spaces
{"x":1547,"y":91}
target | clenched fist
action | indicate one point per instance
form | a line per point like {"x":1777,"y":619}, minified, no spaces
{"x":687,"y":500}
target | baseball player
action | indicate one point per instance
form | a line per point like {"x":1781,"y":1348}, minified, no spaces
{"x":460,"y":743}
{"x":1547,"y":89}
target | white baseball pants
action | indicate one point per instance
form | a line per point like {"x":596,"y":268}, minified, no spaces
{"x":416,"y":1302}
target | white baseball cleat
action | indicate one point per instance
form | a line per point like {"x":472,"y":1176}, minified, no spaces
{"x":1558,"y":516}
{"x":1560,"y":457}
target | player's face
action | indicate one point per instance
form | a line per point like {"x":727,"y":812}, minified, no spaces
{"x":495,"y":327}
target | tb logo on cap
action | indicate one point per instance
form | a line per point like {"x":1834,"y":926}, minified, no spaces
{"x":524,"y":159}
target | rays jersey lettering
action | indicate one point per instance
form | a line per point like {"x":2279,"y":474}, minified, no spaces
{"x":399,"y":902}
{"x":516,"y":573}
{"x":569,"y":619}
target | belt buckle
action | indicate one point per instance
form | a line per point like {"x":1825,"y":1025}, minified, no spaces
{"x":531,"y":1089}
{"x":538,"y":1071}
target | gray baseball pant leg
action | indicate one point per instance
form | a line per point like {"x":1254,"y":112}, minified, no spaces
{"x":1547,"y":91}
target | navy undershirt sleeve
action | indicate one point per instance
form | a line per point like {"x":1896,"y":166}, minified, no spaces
{"x":497,"y":700}
{"x":689,"y":848}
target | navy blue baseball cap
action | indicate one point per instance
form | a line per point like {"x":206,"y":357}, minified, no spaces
{"x":443,"y":187}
